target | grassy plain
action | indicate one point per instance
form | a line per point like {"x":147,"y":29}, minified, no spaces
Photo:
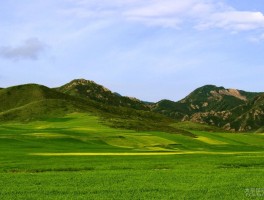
{"x":78,"y":157}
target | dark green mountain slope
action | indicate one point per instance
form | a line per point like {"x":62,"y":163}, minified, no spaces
{"x":246,"y":117}
{"x":32,"y":101}
{"x":171,"y":109}
{"x":41,"y":110}
{"x":204,"y":99}
{"x":215,"y":98}
{"x":36,"y":102}
{"x":90,"y":90}
{"x":250,"y":116}
{"x":230,"y":109}
{"x":21,"y":95}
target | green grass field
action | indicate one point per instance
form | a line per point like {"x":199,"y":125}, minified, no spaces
{"x":78,"y":157}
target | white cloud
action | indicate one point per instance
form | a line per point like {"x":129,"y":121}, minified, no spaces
{"x":160,"y":9}
{"x":158,"y":13}
{"x":235,"y":20}
{"x":201,"y":14}
{"x":31,"y":49}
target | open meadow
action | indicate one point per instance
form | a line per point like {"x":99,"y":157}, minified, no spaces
{"x":79,"y":157}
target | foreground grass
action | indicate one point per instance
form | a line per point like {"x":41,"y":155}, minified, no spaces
{"x":148,"y":177}
{"x":59,"y":159}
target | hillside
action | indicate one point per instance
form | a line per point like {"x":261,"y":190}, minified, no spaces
{"x":176,"y":110}
{"x":215,"y":98}
{"x":230,"y":109}
{"x":21,"y":95}
{"x":249,"y":116}
{"x":90,"y":90}
{"x":245,"y":117}
{"x":31,"y":101}
{"x":204,"y":99}
{"x":40,"y":110}
{"x":36,"y":102}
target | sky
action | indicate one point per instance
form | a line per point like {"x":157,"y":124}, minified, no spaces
{"x":151,"y":49}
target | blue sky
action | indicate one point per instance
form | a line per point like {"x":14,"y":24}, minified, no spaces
{"x":151,"y":49}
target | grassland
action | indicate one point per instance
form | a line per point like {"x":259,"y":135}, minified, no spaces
{"x":78,"y":157}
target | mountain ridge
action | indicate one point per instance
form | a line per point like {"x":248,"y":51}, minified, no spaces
{"x":231,"y":109}
{"x":31,"y":102}
{"x":89,"y":89}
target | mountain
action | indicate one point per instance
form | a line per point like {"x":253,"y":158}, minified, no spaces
{"x":21,"y":95}
{"x":249,"y":116}
{"x":204,"y":99}
{"x":215,"y":98}
{"x":230,"y":109}
{"x":90,"y":90}
{"x":36,"y":102}
{"x":246,"y":117}
{"x":176,"y":110}
{"x":32,"y":101}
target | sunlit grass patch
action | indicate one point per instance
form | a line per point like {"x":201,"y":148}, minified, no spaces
{"x":107,"y":154}
{"x":209,"y":140}
{"x":46,"y":135}
{"x":157,"y":148}
{"x":42,"y":127}
{"x":144,"y":153}
{"x":139,"y":142}
{"x":83,"y":129}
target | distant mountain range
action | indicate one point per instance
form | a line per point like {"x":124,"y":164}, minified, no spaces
{"x":230,"y":109}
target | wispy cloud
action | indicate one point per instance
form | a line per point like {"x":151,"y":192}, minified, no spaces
{"x":257,"y":39}
{"x":30,"y":49}
{"x":166,"y":13}
{"x":234,"y":20}
{"x":200,"y":14}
